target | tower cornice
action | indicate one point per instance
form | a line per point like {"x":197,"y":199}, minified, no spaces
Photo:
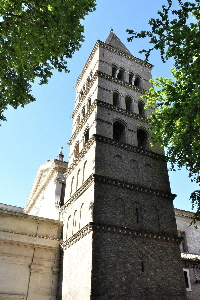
{"x":94,"y":178}
{"x":96,"y":227}
{"x":129,"y":147}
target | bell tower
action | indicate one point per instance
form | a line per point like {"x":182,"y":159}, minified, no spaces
{"x":120,"y":239}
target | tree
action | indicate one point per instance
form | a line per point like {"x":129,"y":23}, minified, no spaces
{"x":36,"y":36}
{"x":176,"y":101}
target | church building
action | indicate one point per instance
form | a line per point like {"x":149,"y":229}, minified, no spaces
{"x":101,"y":226}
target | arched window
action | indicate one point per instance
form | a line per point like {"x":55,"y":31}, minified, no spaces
{"x":68,"y":226}
{"x":81,"y":214}
{"x":74,"y":219}
{"x":76,"y":150}
{"x":72,"y":183}
{"x":89,"y":104}
{"x":116,"y":99}
{"x":88,"y":82}
{"x":114,"y":71}
{"x":131,"y":78}
{"x":84,"y":168}
{"x":137,"y":81}
{"x":120,"y":75}
{"x":119,"y":132}
{"x":62,"y":195}
{"x":78,"y":120}
{"x":141,"y":109}
{"x":128,"y":102}
{"x":142,"y":139}
{"x":86,"y":136}
{"x":78,"y":179}
{"x":83,"y":111}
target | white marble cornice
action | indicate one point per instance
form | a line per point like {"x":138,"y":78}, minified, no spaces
{"x":183,"y":213}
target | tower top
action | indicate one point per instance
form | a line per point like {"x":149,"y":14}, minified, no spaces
{"x":115,"y":42}
{"x":60,"y":154}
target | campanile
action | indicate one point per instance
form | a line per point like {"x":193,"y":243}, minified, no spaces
{"x":120,"y":237}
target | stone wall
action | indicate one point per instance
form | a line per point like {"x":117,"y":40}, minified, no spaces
{"x":30,"y":253}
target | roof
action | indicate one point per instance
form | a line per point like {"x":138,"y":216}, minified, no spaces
{"x":115,"y":42}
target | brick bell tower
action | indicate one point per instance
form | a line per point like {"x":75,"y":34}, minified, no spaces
{"x":120,"y":239}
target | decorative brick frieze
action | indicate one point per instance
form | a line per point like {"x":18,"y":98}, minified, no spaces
{"x":121,"y":111}
{"x":77,"y":236}
{"x":104,"y":121}
{"x":95,"y":76}
{"x":138,"y":188}
{"x":129,"y":147}
{"x":114,"y":50}
{"x":114,"y":182}
{"x":93,"y":227}
{"x":107,"y":140}
{"x":87,"y":146}
{"x":107,"y":106}
{"x":79,"y":192}
{"x":127,"y":55}
{"x":83,"y":122}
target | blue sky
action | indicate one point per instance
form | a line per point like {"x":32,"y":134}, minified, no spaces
{"x":35,"y":133}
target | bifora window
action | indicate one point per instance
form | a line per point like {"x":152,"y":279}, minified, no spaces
{"x":119,"y":132}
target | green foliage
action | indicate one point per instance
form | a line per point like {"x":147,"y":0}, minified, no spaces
{"x":36,"y":37}
{"x":176,"y":118}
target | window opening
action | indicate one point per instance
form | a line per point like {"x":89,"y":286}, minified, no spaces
{"x":83,"y":111}
{"x":78,"y":120}
{"x":114,"y":72}
{"x":120,"y":75}
{"x":142,"y":265}
{"x":137,"y":214}
{"x":186,"y":280}
{"x":72,"y":182}
{"x":137,"y":81}
{"x":131,"y":78}
{"x":86,"y":136}
{"x":142,"y":138}
{"x":128,"y":102}
{"x":78,"y":179}
{"x":141,"y":109}
{"x":62,"y":196}
{"x":84,"y":168}
{"x":116,"y":99}
{"x":119,"y":132}
{"x":76,"y":150}
{"x":183,"y":244}
{"x":89,"y":103}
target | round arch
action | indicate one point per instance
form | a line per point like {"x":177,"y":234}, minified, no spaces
{"x":119,"y":131}
{"x":142,"y":138}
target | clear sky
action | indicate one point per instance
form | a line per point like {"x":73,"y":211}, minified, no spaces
{"x":35,"y":133}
